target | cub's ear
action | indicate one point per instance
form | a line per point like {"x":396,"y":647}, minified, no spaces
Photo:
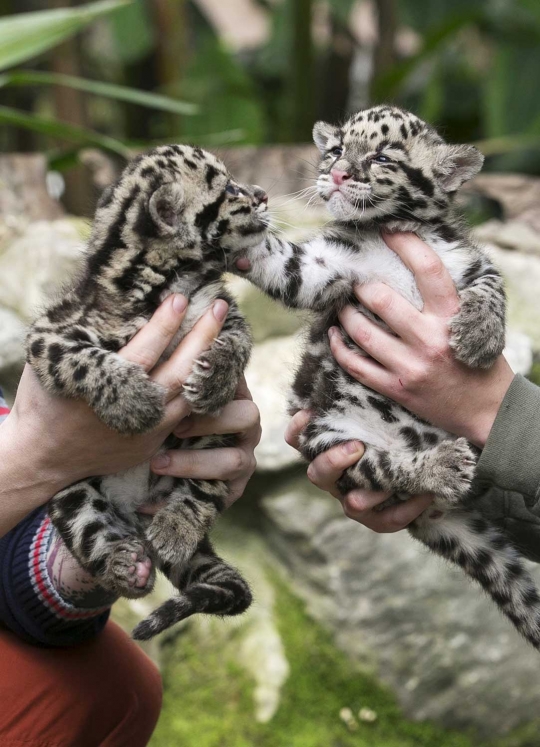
{"x":458,"y":164}
{"x":166,"y":206}
{"x":322,"y":132}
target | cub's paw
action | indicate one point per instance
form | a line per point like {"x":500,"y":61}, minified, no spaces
{"x":173,"y":538}
{"x":452,"y":469}
{"x":476,"y":332}
{"x":213,"y":380}
{"x":129,"y":402}
{"x":129,"y":571}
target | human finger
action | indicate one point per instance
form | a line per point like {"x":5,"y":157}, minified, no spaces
{"x":236,"y":417}
{"x":242,"y":390}
{"x":238,"y":485}
{"x":358,"y":503}
{"x":295,"y":427}
{"x":432,"y":278}
{"x":395,"y":518}
{"x":326,"y":469}
{"x":150,"y":342}
{"x":398,"y":313}
{"x":226,"y":463}
{"x":360,"y":367}
{"x":377,"y":342}
{"x":174,"y":372}
{"x":151,"y":509}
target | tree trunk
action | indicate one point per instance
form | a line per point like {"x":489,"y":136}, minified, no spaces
{"x":384,"y":55}
{"x":302,"y":84}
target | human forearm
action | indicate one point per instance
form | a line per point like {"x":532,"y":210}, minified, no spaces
{"x":25,"y":481}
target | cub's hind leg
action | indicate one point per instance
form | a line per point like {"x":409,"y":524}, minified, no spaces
{"x":191,"y":509}
{"x":446,"y":470}
{"x":208,"y":585}
{"x":106,"y":543}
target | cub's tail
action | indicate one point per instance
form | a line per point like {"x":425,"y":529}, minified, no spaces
{"x":227,"y":594}
{"x":487,"y":556}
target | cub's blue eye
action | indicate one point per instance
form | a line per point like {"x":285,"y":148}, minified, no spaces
{"x":232,"y":190}
{"x":337,"y":151}
{"x":381,"y":159}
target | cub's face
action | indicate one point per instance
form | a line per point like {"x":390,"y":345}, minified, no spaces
{"x":385,"y":163}
{"x":184,"y":196}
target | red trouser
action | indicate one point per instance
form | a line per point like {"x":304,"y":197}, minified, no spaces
{"x":102,"y":693}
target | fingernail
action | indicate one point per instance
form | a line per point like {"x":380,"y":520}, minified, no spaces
{"x":161,"y":461}
{"x":179,"y":303}
{"x":220,"y":309}
{"x":352,"y":447}
{"x":332,"y":331}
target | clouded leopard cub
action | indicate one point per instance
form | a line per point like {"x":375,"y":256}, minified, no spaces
{"x":385,"y":168}
{"x":169,"y":224}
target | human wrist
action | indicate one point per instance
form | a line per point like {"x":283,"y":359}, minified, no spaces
{"x":29,"y":476}
{"x":490,"y":395}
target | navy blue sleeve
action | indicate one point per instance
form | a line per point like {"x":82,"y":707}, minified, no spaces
{"x":30,"y":606}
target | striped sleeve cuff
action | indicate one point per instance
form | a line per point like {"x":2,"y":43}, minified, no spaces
{"x":29,"y":603}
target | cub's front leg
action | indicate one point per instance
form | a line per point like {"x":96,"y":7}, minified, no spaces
{"x":478,"y":329}
{"x":216,"y":374}
{"x":73,"y":364}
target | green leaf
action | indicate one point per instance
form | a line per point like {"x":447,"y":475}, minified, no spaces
{"x":27,"y":35}
{"x":390,"y":82}
{"x":63,"y":131}
{"x":110,"y":90}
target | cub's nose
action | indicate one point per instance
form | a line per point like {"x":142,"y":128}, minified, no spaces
{"x":259,"y":195}
{"x":339,"y":176}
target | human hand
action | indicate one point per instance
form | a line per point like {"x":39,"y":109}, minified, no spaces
{"x":360,"y":505}
{"x":415,"y":366}
{"x":63,"y":440}
{"x":233,"y":464}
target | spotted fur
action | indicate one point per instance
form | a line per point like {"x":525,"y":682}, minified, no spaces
{"x":397,"y":174}
{"x":170,"y":224}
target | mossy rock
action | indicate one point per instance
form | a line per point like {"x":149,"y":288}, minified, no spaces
{"x":208,"y":696}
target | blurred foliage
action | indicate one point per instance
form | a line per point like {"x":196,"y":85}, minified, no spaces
{"x":469,"y":66}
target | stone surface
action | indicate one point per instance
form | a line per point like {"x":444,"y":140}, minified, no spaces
{"x":522,"y":275}
{"x":518,"y":352}
{"x":36,"y":263}
{"x":420,"y":625}
{"x":517,"y":194}
{"x":269,"y":376}
{"x":11,"y":340}
{"x":513,"y":234}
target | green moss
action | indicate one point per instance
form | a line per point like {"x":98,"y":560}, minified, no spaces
{"x":208,"y":697}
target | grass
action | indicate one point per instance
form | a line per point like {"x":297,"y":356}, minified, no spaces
{"x":208,"y":697}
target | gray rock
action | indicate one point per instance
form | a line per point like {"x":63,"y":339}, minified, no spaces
{"x":36,"y":263}
{"x":512,"y":234}
{"x":268,"y":376}
{"x":518,"y":352}
{"x":11,"y":340}
{"x":426,"y":630}
{"x":522,"y":275}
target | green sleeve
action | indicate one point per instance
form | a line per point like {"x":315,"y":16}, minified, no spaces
{"x":511,"y":457}
{"x":508,"y":473}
